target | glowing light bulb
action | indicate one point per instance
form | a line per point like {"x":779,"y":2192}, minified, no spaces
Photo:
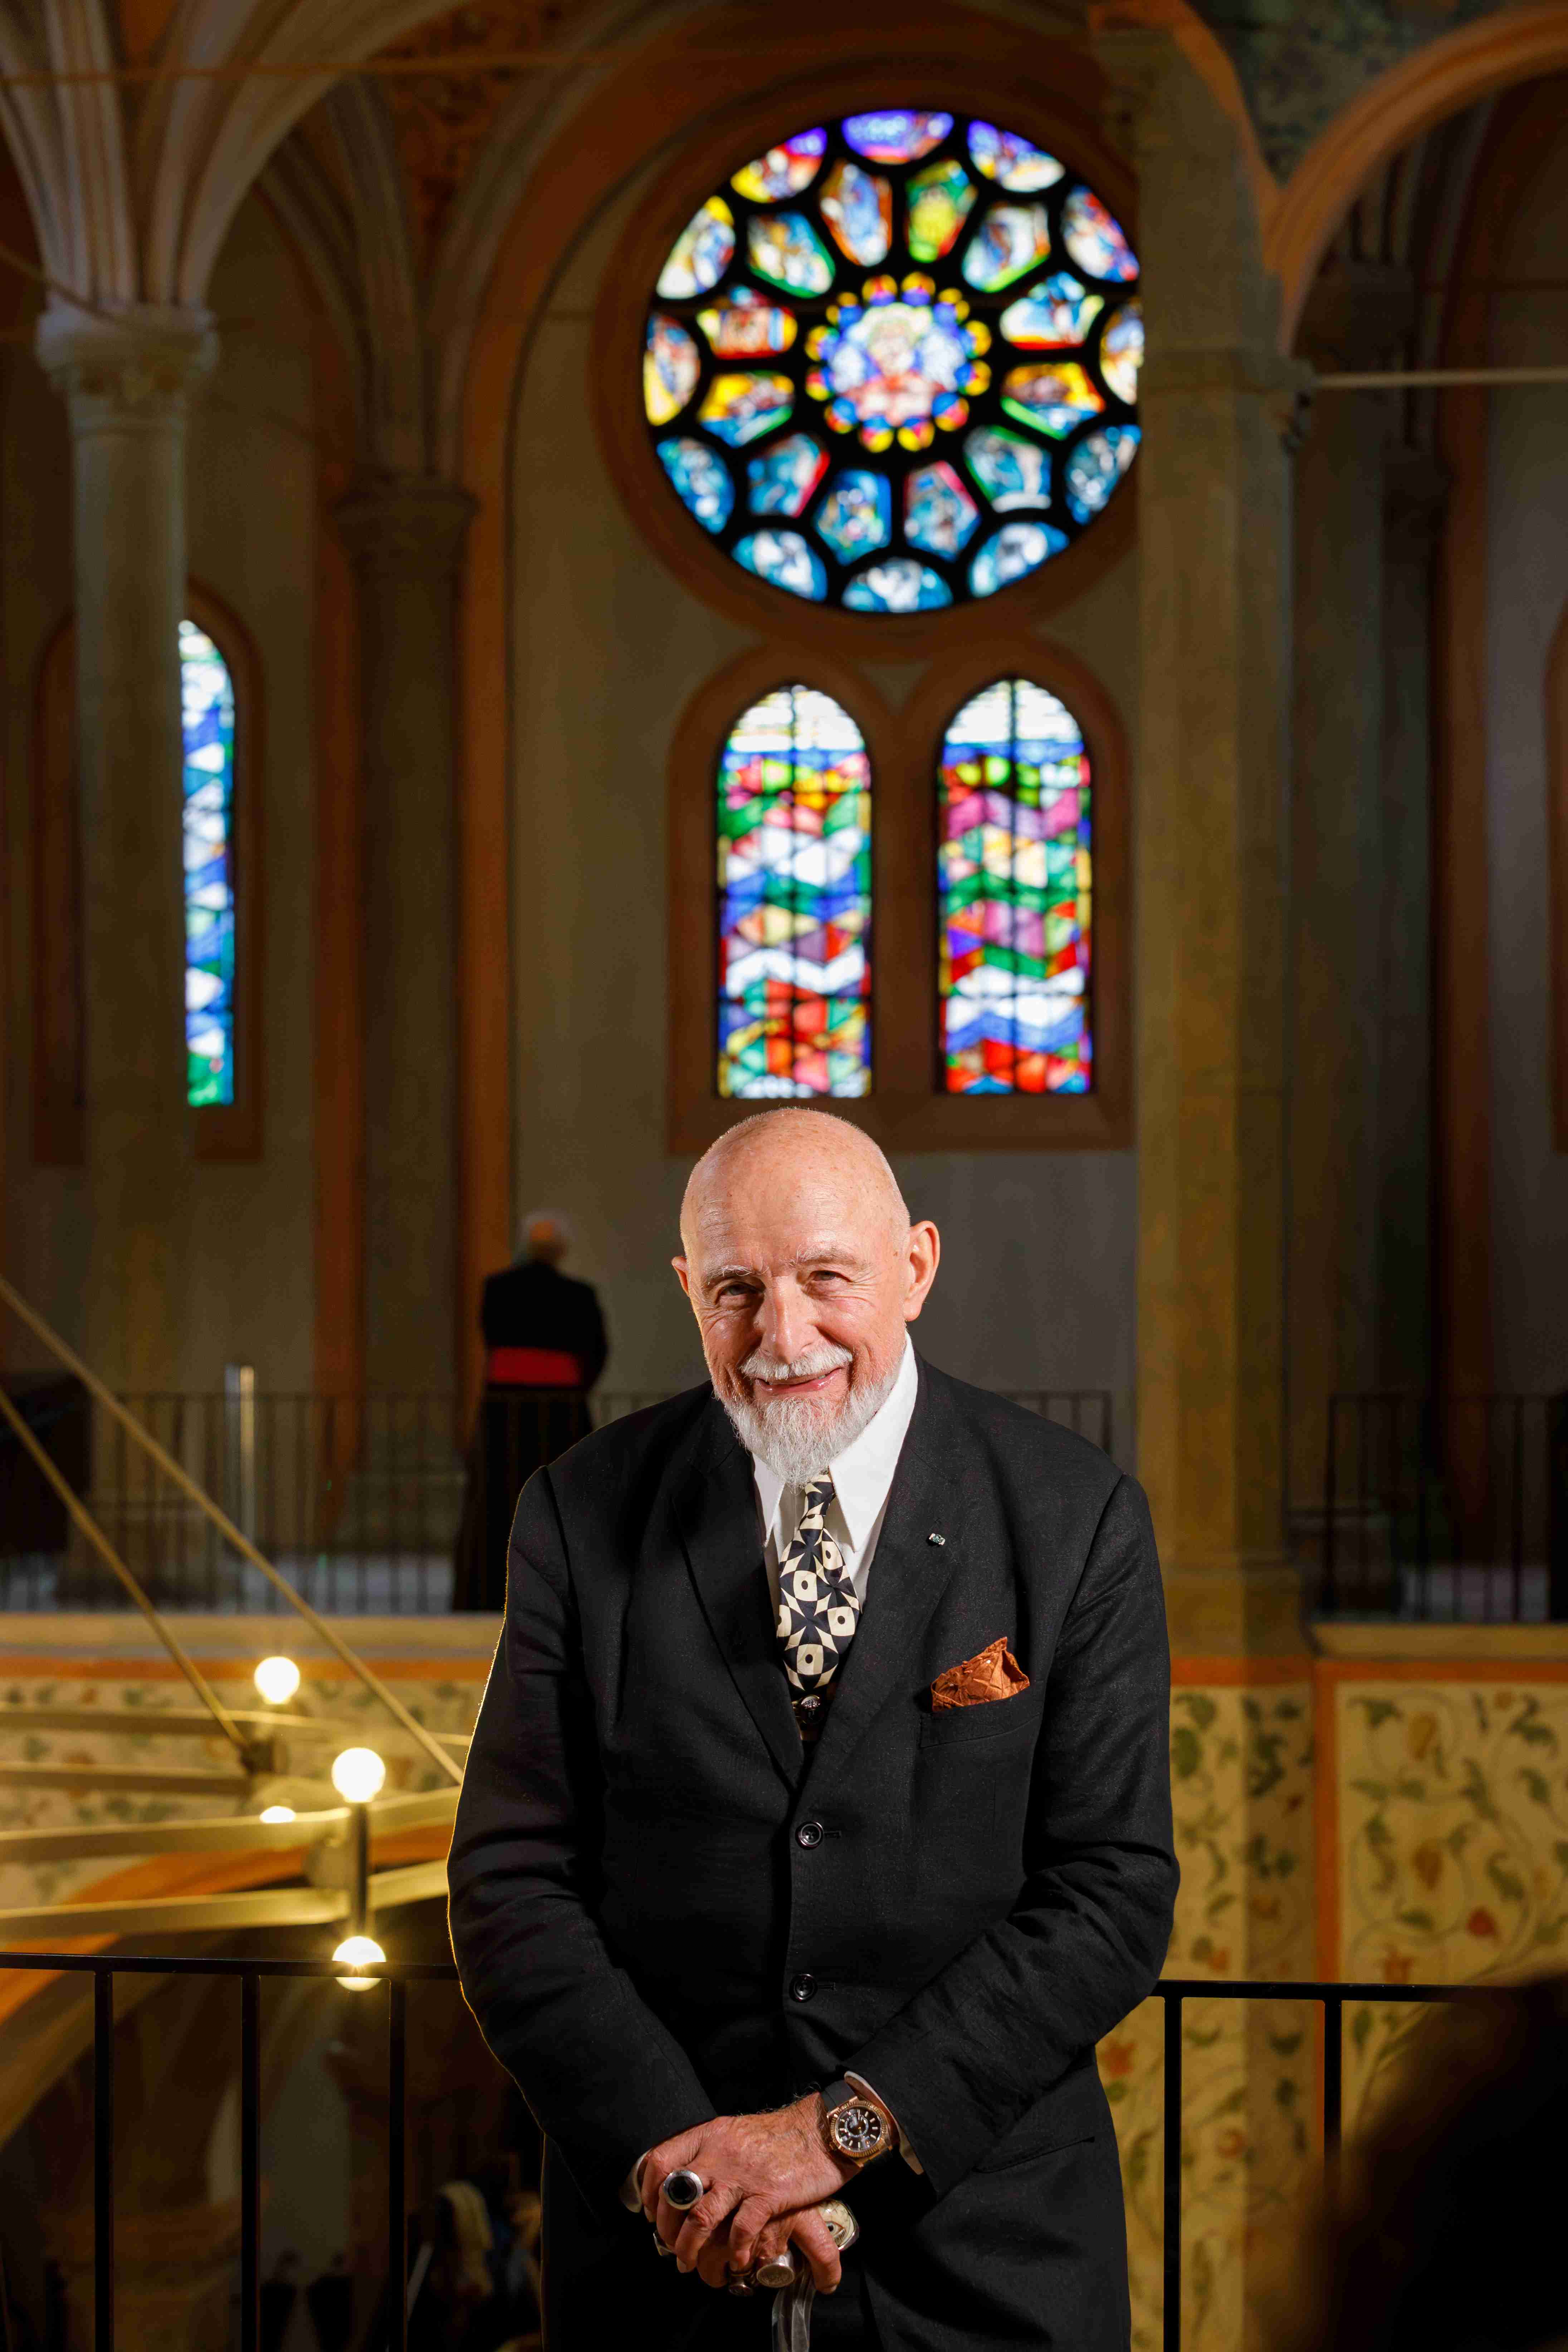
{"x":358,"y":1775}
{"x":277,"y":1812}
{"x":277,"y":1679}
{"x":360,"y":1949}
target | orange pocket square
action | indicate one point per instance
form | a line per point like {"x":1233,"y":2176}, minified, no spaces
{"x":994,"y":1673}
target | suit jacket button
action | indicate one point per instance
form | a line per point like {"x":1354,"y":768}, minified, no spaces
{"x":802,"y":1987}
{"x":809,"y":1833}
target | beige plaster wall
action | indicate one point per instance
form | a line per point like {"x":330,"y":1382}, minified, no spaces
{"x":1038,"y":1286}
{"x":251,"y":519}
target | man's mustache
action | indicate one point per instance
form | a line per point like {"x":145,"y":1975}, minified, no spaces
{"x":810,"y":1366}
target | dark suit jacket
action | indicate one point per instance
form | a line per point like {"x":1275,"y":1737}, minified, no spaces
{"x":647,"y":1939}
{"x":532,"y":1304}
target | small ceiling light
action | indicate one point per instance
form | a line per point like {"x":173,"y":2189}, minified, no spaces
{"x":360,"y":1949}
{"x":358,"y":1775}
{"x":277,"y":1679}
{"x":277,"y":1812}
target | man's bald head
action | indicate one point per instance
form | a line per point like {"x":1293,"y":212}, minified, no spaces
{"x":802,"y":1268}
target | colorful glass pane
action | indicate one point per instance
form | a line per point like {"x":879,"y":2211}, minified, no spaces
{"x":785,"y":248}
{"x":1095,"y":468}
{"x":1010,"y":240}
{"x":670,"y":368}
{"x":1023,"y":169}
{"x":1014,"y":896}
{"x":940,"y":516}
{"x":781,"y":478}
{"x":895,"y":135}
{"x":1053,"y":399}
{"x":1012,"y":471}
{"x":784,"y":558}
{"x":747,"y":327}
{"x":1054,"y":316}
{"x":702,"y":481}
{"x":881,"y":344}
{"x":785,"y":169}
{"x":939,"y":199}
{"x":700,"y":254}
{"x":1121,"y":351}
{"x":795,"y":901}
{"x":1018,"y":548}
{"x":856,"y":514}
{"x":1095,"y":240}
{"x":739,"y":407}
{"x":207,"y":719}
{"x":899,"y":585}
{"x":858,"y":208}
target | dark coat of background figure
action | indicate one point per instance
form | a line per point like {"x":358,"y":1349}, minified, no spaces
{"x":651,"y":1930}
{"x":532,"y":1305}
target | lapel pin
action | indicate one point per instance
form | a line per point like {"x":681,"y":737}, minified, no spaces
{"x":935,"y":1539}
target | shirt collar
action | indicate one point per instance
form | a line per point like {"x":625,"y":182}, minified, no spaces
{"x":863,"y":1473}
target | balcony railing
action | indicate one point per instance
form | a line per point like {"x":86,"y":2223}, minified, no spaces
{"x":401,"y":1977}
{"x":356,"y":1498}
{"x":1447,"y":1508}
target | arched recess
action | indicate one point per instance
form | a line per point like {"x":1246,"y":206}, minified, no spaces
{"x":1557,"y":839}
{"x":671,"y":92}
{"x":223,"y":1130}
{"x":1442,"y":78}
{"x":906,"y":1110}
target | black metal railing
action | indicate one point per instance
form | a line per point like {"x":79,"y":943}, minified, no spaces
{"x":1172,"y":1991}
{"x":362,"y":1501}
{"x":1447,"y":1508}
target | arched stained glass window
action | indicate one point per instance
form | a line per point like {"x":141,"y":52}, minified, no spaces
{"x":1015,"y":887}
{"x":208,"y":714}
{"x":892,"y":363}
{"x":794,"y":793}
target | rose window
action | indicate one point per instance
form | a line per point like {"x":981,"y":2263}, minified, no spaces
{"x":892,"y":364}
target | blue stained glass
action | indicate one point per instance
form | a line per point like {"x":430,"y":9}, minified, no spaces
{"x":940,"y":516}
{"x":1011,"y":160}
{"x":894,"y":135}
{"x":784,"y":558}
{"x":856,"y":514}
{"x":1097,"y":465}
{"x":785,"y":248}
{"x":899,"y":585}
{"x":206,"y":718}
{"x":1055,"y":315}
{"x":703,"y":484}
{"x":1011,"y":471}
{"x":780,"y":480}
{"x":1095,"y":239}
{"x":1018,"y":547}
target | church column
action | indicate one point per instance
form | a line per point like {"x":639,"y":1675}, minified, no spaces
{"x":1213,"y":568}
{"x":405,"y":533}
{"x":127,"y":380}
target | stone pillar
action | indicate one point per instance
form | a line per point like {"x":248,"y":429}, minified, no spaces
{"x":127,"y":380}
{"x":1214,"y":566}
{"x":406,"y":535}
{"x":1357,"y":318}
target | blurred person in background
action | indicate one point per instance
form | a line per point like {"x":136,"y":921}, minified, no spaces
{"x":1443,"y":2236}
{"x":544,"y":1348}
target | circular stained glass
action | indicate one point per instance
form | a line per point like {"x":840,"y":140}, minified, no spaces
{"x":892,"y":363}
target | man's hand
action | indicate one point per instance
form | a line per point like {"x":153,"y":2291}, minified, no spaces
{"x":764,"y":2174}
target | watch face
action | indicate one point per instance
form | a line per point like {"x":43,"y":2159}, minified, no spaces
{"x":857,"y":2131}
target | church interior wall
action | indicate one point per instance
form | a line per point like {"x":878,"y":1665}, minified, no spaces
{"x":608,"y":648}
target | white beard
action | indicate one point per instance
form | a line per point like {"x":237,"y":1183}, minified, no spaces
{"x":798,"y":1437}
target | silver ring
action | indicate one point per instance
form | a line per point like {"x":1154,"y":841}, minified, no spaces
{"x":683,"y":2189}
{"x":778,"y":2273}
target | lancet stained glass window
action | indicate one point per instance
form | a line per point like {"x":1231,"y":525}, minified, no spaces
{"x":1014,"y":891}
{"x":206,"y":714}
{"x":892,"y":364}
{"x":795,"y":900}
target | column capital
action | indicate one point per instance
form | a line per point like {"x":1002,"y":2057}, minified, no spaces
{"x":405,"y":521}
{"x":1283,"y":386}
{"x":127,"y":364}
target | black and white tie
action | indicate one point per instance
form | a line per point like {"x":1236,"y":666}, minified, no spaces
{"x":818,"y":1608}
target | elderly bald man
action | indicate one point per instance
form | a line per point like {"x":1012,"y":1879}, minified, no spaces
{"x":817,"y":1820}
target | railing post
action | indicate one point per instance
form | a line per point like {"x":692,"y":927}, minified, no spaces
{"x":1173,"y":2247}
{"x":251,"y":2164}
{"x":397,"y":2168}
{"x":103,"y":2160}
{"x":1330,"y":1504}
{"x":1333,"y":2074}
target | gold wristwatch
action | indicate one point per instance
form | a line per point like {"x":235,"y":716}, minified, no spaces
{"x":854,"y":2126}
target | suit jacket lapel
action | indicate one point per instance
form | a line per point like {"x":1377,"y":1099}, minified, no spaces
{"x":715,"y":1511}
{"x":908,"y":1576}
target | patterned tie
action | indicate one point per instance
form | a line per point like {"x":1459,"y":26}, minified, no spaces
{"x":818,"y":1608}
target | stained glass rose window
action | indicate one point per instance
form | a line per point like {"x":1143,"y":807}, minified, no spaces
{"x":892,"y":364}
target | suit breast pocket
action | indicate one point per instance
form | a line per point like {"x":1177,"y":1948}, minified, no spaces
{"x":994,"y":1718}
